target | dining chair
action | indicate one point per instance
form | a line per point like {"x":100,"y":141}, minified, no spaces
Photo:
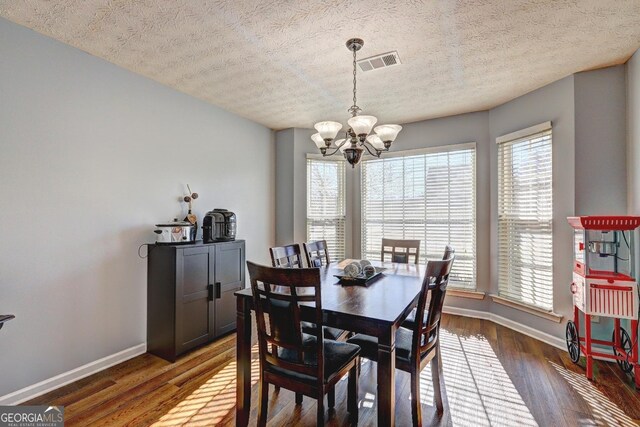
{"x":317,"y":253}
{"x":304,"y":363}
{"x":420,"y":346}
{"x":288,"y":256}
{"x":400,"y":250}
{"x":410,"y":321}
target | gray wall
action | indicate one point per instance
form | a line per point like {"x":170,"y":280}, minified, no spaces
{"x":587,"y":111}
{"x":633,"y":133}
{"x":633,"y":140}
{"x":600,"y":155}
{"x":284,"y":186}
{"x":92,"y":156}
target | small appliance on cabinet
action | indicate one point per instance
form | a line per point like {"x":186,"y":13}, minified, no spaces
{"x":604,"y":284}
{"x":219,"y":226}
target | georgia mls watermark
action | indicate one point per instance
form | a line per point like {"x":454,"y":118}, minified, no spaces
{"x":32,"y":416}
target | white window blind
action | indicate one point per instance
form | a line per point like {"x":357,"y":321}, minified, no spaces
{"x":525,"y":218}
{"x":326,"y":204}
{"x":428,"y":196}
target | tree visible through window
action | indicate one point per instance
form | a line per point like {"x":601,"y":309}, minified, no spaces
{"x":428,"y":196}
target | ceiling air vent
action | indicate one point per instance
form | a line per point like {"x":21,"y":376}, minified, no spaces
{"x":384,"y":60}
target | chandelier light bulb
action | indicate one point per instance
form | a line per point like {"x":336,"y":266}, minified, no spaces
{"x":388,"y":133}
{"x":328,"y":130}
{"x":347,"y":144}
{"x":362,"y":125}
{"x":376,"y":142}
{"x":318,"y":140}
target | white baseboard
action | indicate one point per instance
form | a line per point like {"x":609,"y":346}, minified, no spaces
{"x":519,"y":327}
{"x":68,"y":377}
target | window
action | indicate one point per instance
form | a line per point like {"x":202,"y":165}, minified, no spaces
{"x":525,"y":217}
{"x":427,"y":195}
{"x":326,"y":204}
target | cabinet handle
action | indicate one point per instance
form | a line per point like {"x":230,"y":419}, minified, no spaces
{"x":210,"y":292}
{"x":218,"y":290}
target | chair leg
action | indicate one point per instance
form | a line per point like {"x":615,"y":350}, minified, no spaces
{"x":264,"y":403}
{"x":299,"y":397}
{"x":274,"y":351}
{"x":331,"y":398}
{"x":416,"y":408}
{"x":320,"y":415}
{"x":436,"y":371}
{"x":352,"y":399}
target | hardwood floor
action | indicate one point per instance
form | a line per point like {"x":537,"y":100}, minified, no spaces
{"x":493,"y":377}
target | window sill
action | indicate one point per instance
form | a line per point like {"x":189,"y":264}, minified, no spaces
{"x":461,"y":293}
{"x":549,"y":315}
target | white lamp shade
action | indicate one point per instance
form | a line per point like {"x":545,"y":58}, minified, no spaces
{"x":388,"y":133}
{"x":362,"y":125}
{"x":347,"y":144}
{"x":318,"y":140}
{"x":328,"y":130}
{"x":376,"y":142}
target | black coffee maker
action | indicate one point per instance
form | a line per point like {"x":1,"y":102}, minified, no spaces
{"x":219,"y":225}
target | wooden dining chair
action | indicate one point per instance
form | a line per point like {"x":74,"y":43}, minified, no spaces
{"x":410,"y":321}
{"x":416,"y":348}
{"x":317,"y":253}
{"x":288,"y":256}
{"x":304,"y":363}
{"x":401,"y":250}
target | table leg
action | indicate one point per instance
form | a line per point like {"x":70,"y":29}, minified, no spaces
{"x":243,"y":366}
{"x":386,"y":378}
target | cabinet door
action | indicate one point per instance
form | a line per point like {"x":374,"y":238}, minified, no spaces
{"x":194,"y":311}
{"x":228,"y":259}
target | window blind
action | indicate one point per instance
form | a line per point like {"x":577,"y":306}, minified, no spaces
{"x":525,"y":216}
{"x":427,"y":196}
{"x":326,"y":204}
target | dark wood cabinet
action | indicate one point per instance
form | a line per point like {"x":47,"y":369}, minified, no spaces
{"x":190,"y":294}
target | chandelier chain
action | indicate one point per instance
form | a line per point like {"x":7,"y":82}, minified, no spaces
{"x":355,"y":104}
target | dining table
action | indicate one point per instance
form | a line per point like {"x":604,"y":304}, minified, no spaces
{"x":377,"y":309}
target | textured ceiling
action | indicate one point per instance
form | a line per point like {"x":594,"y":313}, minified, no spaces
{"x":283,"y":63}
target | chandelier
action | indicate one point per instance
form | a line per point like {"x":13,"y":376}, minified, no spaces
{"x":359,"y":133}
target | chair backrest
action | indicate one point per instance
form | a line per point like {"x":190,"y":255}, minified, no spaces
{"x":401,"y":250}
{"x":317,"y":253}
{"x":277,"y":295}
{"x":427,"y":332}
{"x":288,"y":256}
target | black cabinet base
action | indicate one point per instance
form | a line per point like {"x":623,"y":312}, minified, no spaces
{"x":189,"y":292}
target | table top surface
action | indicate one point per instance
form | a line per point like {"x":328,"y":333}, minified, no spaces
{"x":385,"y":299}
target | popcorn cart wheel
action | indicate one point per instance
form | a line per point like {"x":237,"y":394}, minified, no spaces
{"x":623,"y":351}
{"x":573,"y":342}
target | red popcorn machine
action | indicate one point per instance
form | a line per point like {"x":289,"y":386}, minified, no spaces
{"x":604,"y":284}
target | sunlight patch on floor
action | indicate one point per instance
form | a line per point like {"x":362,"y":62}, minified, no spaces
{"x":604,"y":410}
{"x":212,"y":401}
{"x":478,"y":389}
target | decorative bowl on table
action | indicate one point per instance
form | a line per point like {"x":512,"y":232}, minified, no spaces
{"x":359,"y":273}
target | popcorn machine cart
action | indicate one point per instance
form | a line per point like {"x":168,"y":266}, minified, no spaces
{"x":604,"y":284}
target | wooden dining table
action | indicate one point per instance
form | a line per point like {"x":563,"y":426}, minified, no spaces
{"x":377,"y":309}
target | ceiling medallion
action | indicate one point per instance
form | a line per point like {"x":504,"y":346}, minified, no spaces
{"x":358,"y":134}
